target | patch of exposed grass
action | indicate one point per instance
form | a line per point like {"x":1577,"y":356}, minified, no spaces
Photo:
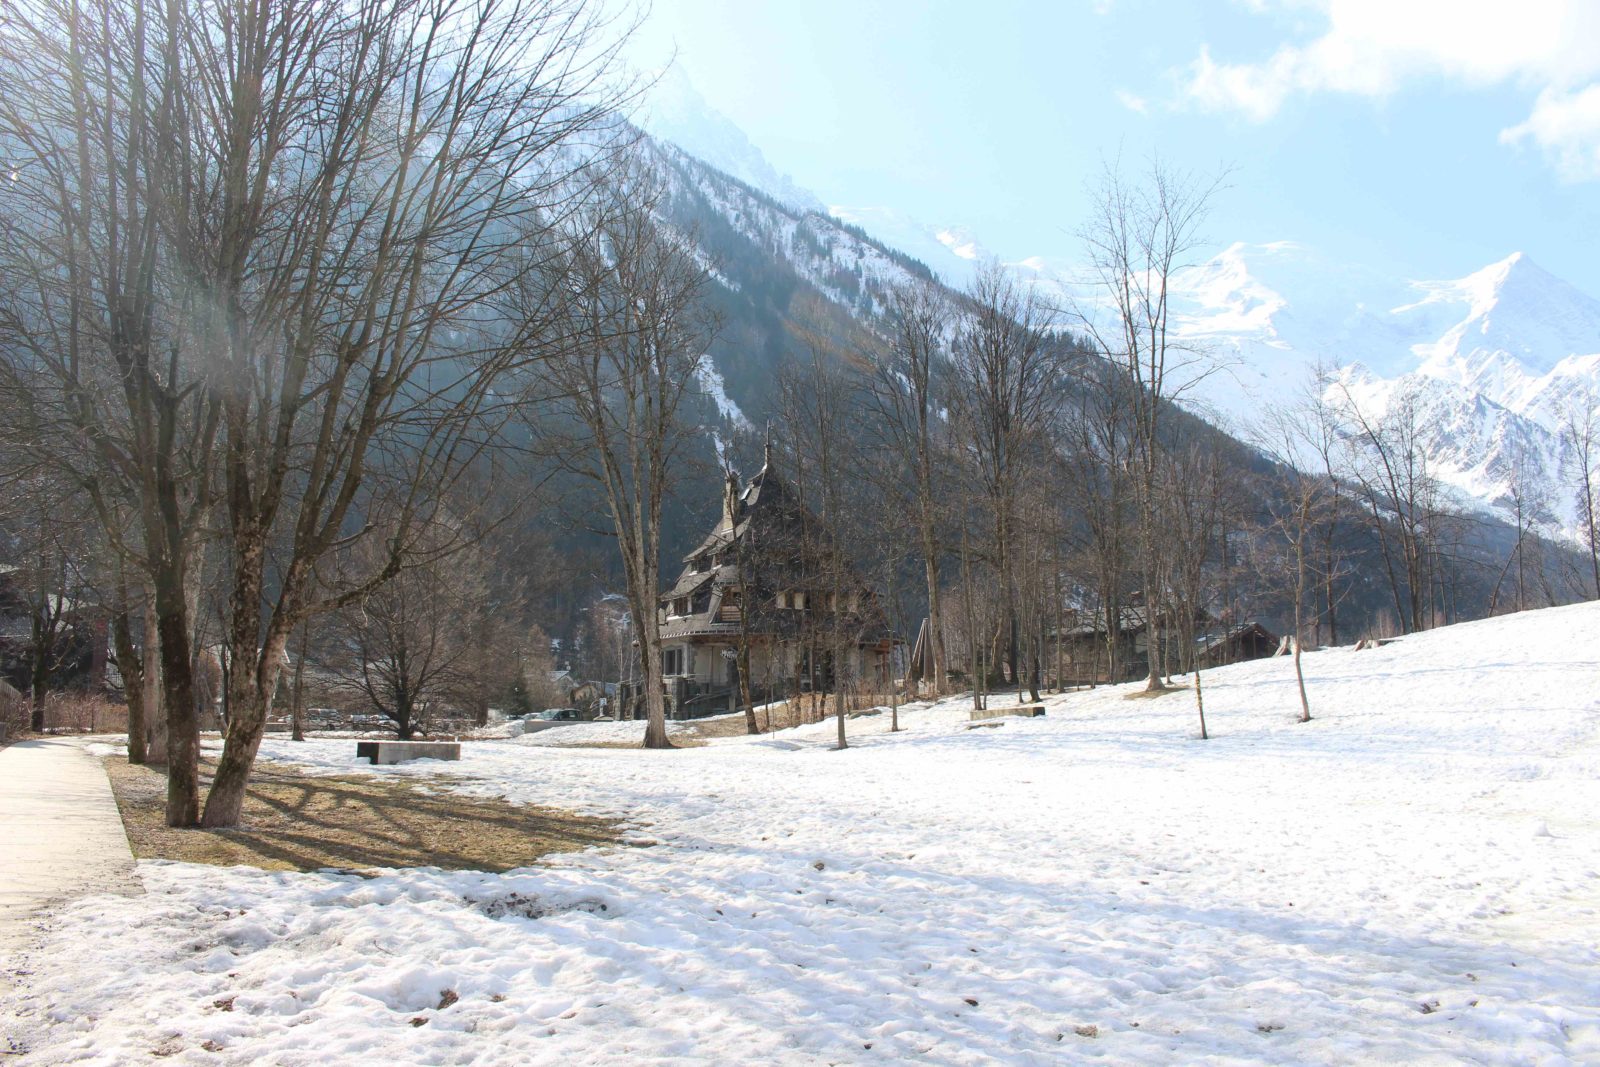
{"x":723,"y":726}
{"x":302,"y":823}
{"x":1149,"y":694}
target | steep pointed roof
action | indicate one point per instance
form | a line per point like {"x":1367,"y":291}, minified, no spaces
{"x":765,"y":497}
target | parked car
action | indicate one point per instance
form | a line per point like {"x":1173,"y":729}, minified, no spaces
{"x":552,"y":719}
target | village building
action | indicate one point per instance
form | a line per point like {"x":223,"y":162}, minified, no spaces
{"x":1081,"y":652}
{"x":769,"y":582}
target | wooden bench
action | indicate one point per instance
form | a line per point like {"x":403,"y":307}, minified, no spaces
{"x":1024,"y":711}
{"x":386,"y":752}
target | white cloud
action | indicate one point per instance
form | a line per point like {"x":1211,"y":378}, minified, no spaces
{"x":1132,"y":102}
{"x":1372,"y":48}
{"x":1567,"y":126}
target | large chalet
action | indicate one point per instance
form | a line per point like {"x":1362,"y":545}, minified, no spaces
{"x":770,"y":579}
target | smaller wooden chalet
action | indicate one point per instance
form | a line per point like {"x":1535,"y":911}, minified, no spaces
{"x":768,"y":578}
{"x":1084,"y":654}
{"x":1221,"y":645}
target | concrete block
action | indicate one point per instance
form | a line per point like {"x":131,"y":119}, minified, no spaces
{"x":386,"y":752}
{"x":1026,"y":711}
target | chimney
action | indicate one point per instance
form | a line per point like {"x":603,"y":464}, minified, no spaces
{"x":730,"y":499}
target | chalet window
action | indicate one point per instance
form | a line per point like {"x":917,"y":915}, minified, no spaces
{"x":680,"y":606}
{"x":671,"y":661}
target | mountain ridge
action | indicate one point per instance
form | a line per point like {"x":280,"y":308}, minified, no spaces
{"x":1491,"y":357}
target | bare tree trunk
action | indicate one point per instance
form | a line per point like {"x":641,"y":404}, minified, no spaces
{"x":655,"y":731}
{"x":941,"y":672}
{"x":751,"y":726}
{"x":974,"y":662}
{"x":405,"y":716}
{"x":1299,"y":609}
{"x":297,"y":710}
{"x":183,"y":733}
{"x":749,"y":585}
{"x":250,"y":699}
{"x":838,"y":696}
{"x":155,"y":750}
{"x":132,"y":671}
{"x":894,"y":697}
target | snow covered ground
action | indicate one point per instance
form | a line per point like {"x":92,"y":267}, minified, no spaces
{"x":1412,"y":877}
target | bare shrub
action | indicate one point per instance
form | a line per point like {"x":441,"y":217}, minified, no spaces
{"x":83,"y":713}
{"x":13,"y":711}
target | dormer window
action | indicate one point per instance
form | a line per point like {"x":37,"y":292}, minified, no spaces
{"x":680,"y":606}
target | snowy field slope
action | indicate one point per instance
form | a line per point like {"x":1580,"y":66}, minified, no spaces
{"x":1411,"y":877}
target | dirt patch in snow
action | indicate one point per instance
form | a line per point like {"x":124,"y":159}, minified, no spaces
{"x":1165,"y":691}
{"x":720,"y":726}
{"x":304,"y":823}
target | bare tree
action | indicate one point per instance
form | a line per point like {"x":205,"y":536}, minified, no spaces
{"x":52,"y":537}
{"x":903,"y":390}
{"x":1389,"y":464}
{"x":1006,"y":389}
{"x":1527,"y":504}
{"x":608,"y":404}
{"x":431,"y":637}
{"x":1193,"y":498}
{"x":129,"y":659}
{"x":1301,"y":504}
{"x":750,"y":567}
{"x":95,"y":322}
{"x":814,"y":409}
{"x":1580,"y":439}
{"x":262,"y":252}
{"x":1141,"y":235}
{"x":1097,"y":458}
{"x":1319,"y":440}
{"x":532,"y":687}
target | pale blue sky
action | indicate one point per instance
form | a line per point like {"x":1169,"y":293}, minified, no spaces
{"x":1383,"y":133}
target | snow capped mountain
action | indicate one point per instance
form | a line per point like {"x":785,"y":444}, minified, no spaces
{"x":674,"y":111}
{"x":952,"y":252}
{"x":1489,"y":361}
{"x":785,"y":273}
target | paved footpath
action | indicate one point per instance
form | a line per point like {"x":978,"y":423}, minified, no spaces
{"x":60,"y":834}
